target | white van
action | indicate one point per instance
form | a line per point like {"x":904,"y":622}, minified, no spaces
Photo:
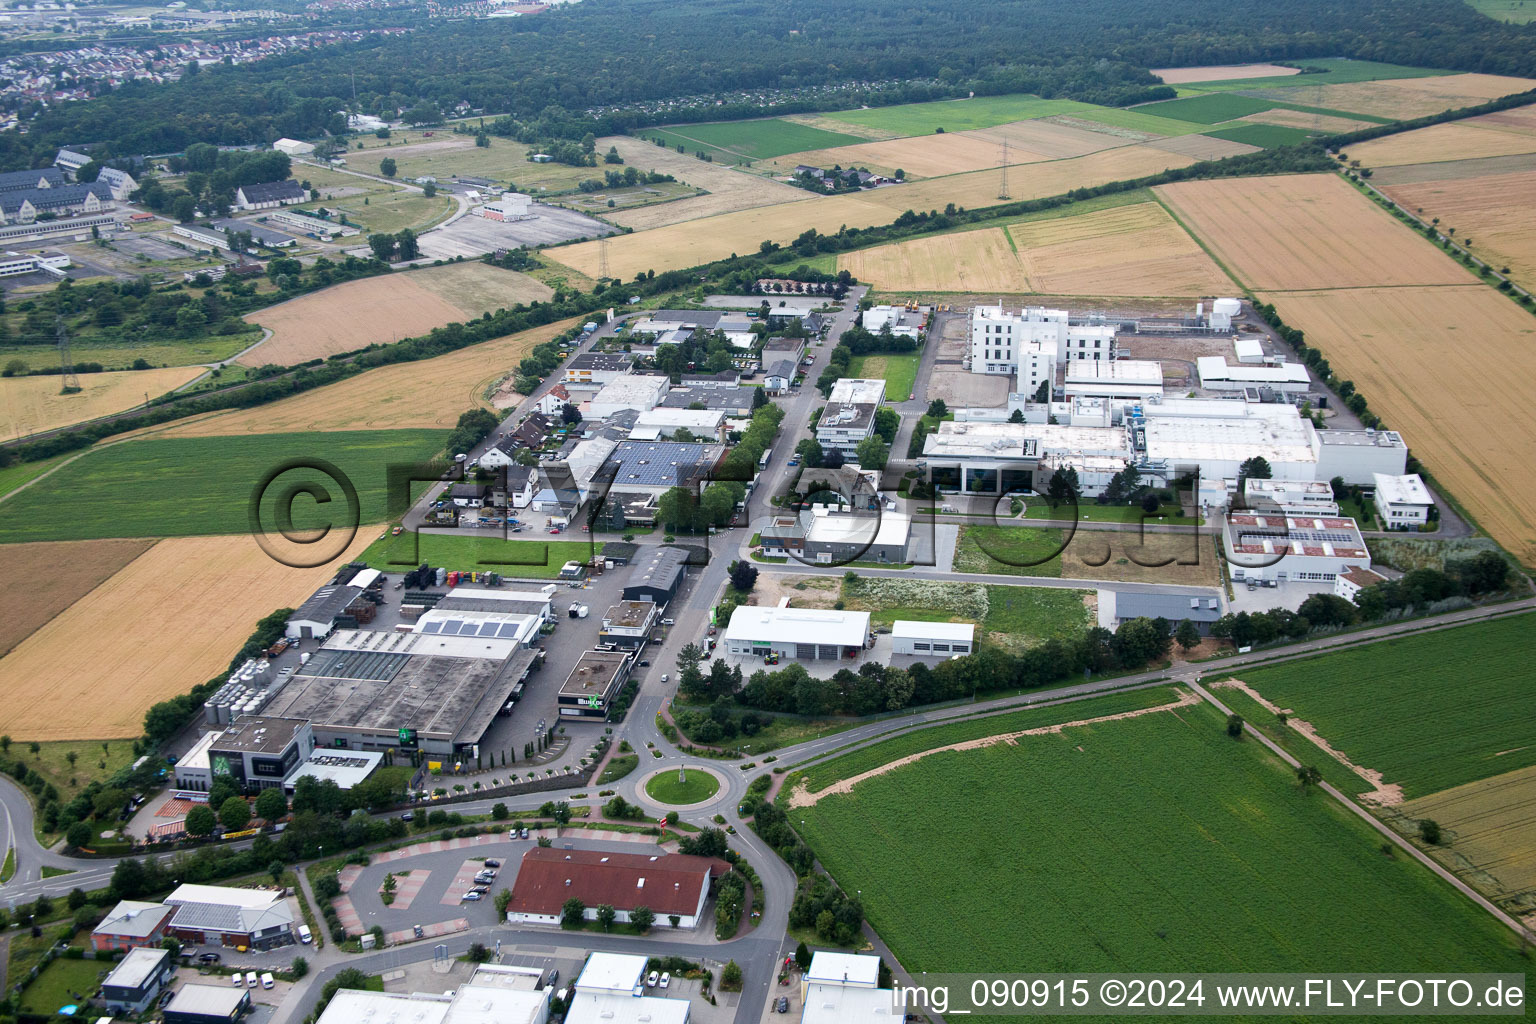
{"x":239,"y":980}
{"x":305,"y":935}
{"x":250,"y":979}
{"x":266,"y":980}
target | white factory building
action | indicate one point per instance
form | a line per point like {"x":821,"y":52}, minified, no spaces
{"x":1129,"y":379}
{"x":843,"y":988}
{"x":1031,"y":342}
{"x":849,"y":415}
{"x":1279,"y":547}
{"x":510,"y":207}
{"x":1293,"y":497}
{"x":13,"y":264}
{"x":628,"y":391}
{"x":611,"y":990}
{"x":1216,"y":374}
{"x":903,"y":321}
{"x":1403,"y":501}
{"x":809,"y":634}
{"x":293,"y":147}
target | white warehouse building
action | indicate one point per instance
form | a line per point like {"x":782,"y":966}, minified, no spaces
{"x":1403,"y":501}
{"x":1032,"y":341}
{"x":809,"y":634}
{"x":932,"y":639}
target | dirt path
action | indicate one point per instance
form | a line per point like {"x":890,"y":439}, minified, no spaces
{"x":1383,"y":794}
{"x":802,"y":798}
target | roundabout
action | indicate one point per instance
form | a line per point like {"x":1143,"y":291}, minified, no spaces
{"x":682,"y":787}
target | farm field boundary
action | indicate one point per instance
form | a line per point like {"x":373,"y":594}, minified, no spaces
{"x":50,"y":576}
{"x":34,"y":404}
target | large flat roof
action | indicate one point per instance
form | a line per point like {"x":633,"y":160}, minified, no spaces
{"x":595,"y":674}
{"x":444,"y":687}
{"x":350,"y":1005}
{"x":137,"y":967}
{"x":620,"y":1008}
{"x":346,"y":768}
{"x":1217,"y":368}
{"x":885,"y":528}
{"x":667,"y":883}
{"x":802,"y":625}
{"x":260,"y":734}
{"x":844,"y":968}
{"x":858,"y":390}
{"x":912,"y":629}
{"x":611,"y":972}
{"x":1231,"y":439}
{"x":496,"y":1004}
{"x":826,"y":1003}
{"x":209,"y":1000}
{"x":1402,"y":490}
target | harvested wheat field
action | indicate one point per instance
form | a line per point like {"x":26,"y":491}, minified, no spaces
{"x":1497,"y":212}
{"x":1302,"y":119}
{"x":49,"y":576}
{"x":1520,"y":120}
{"x":1298,"y":231}
{"x":1222,"y":73}
{"x":1127,"y":250}
{"x":1202,"y":147}
{"x":170,"y":620}
{"x":385,"y":309}
{"x":1054,"y":141}
{"x":33,"y":404}
{"x":713,"y":238}
{"x":1457,"y":140}
{"x":1492,"y":827}
{"x":922,"y":156}
{"x":431,"y":393}
{"x":1404,"y":98}
{"x":729,"y":190}
{"x":1451,"y":368}
{"x":965,"y":261}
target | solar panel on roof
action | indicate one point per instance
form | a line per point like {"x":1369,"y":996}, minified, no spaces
{"x":488,"y":628}
{"x":508,"y":629}
{"x":431,"y":627}
{"x":452,"y":625}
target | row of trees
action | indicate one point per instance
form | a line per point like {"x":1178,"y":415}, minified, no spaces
{"x":401,"y":246}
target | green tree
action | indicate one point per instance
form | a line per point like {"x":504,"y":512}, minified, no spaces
{"x":1429,"y":831}
{"x":383,"y":247}
{"x":730,"y":976}
{"x":201,"y":821}
{"x":78,"y":836}
{"x":1235,"y":726}
{"x":1187,"y":635}
{"x":1062,"y":487}
{"x":572,"y":913}
{"x":503,"y":900}
{"x":299,"y":967}
{"x":1256,"y":468}
{"x":803,"y":957}
{"x":1308,"y":776}
{"x":499,"y":812}
{"x":605,"y":916}
{"x":743,"y":576}
{"x":642,"y":918}
{"x":429,"y":190}
{"x":561,"y":813}
{"x":271,"y":804}
{"x":405,"y":245}
{"x":872,"y":453}
{"x":387,"y":167}
{"x":937,"y":410}
{"x":5,"y":743}
{"x":1017,"y":416}
{"x":234,"y":814}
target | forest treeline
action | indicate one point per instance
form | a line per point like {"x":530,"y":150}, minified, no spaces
{"x":606,"y":66}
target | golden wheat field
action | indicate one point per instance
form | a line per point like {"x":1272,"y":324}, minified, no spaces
{"x":1403,"y":98}
{"x":49,"y":576}
{"x":1302,"y":119}
{"x":177,"y":613}
{"x":1457,"y":140}
{"x":1493,"y":826}
{"x":1053,"y":141}
{"x":922,"y":156}
{"x":712,"y":238}
{"x":381,"y":310}
{"x":428,"y":394}
{"x":1202,"y":147}
{"x":32,"y":404}
{"x":1301,"y":231}
{"x":1128,"y":250}
{"x":1450,"y":368}
{"x":729,"y":190}
{"x":965,"y":261}
{"x":1222,"y":73}
{"x":1497,"y":212}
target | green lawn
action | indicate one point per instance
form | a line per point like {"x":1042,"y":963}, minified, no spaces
{"x":1265,"y":136}
{"x":1029,"y":615}
{"x":617,"y":767}
{"x":756,"y":140}
{"x":1017,"y":616}
{"x":1429,"y":712}
{"x":64,"y":982}
{"x":898,"y":372}
{"x":537,"y":557}
{"x":1211,"y":108}
{"x":959,"y":115}
{"x":696,"y":786}
{"x":1517,"y":11}
{"x":1091,"y":513}
{"x":176,"y":487}
{"x":1010,"y":550}
{"x":1153,"y":844}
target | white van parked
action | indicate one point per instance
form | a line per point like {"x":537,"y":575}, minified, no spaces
{"x":305,"y":935}
{"x":266,"y":980}
{"x":250,"y":979}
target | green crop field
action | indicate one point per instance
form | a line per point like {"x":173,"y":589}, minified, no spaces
{"x":1265,"y":136}
{"x":540,"y":556}
{"x":856,"y":762}
{"x":1336,"y":71}
{"x":12,"y":477}
{"x":1136,"y":121}
{"x":1429,"y":712}
{"x":1517,"y":11}
{"x":1010,"y":550}
{"x":1151,"y":844}
{"x":1212,"y":108}
{"x":959,"y":115}
{"x":177,"y":487}
{"x":755,"y":140}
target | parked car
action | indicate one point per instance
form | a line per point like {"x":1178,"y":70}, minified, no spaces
{"x":490,"y":863}
{"x":665,"y":677}
{"x":645,"y":664}
{"x":251,"y":980}
{"x":407,"y":816}
{"x":651,"y":979}
{"x":208,"y":958}
{"x":266,"y":980}
{"x":782,"y":1005}
{"x":471,"y":897}
{"x":666,"y":979}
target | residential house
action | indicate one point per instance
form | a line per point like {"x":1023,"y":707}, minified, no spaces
{"x":131,"y":925}
{"x":26,"y":181}
{"x":121,"y":183}
{"x":136,"y":981}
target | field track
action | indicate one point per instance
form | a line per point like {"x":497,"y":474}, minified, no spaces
{"x":1492,"y":824}
{"x":49,"y":576}
{"x":1469,"y":426}
{"x":381,"y":310}
{"x":1303,"y":231}
{"x":170,"y":620}
{"x":1498,"y":212}
{"x":33,"y":404}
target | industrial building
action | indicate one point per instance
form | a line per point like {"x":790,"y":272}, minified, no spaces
{"x":808,"y":634}
{"x":1202,"y":607}
{"x":132,"y":925}
{"x":219,"y":915}
{"x":1292,"y":497}
{"x":207,"y":1004}
{"x":597,"y":368}
{"x":315,"y":227}
{"x":77,"y":228}
{"x":828,"y":535}
{"x":594,"y":681}
{"x":136,"y":981}
{"x":611,"y":990}
{"x":14,"y":264}
{"x":1216,"y":374}
{"x":655,"y":467}
{"x":344,"y":769}
{"x":433,"y":692}
{"x":655,"y":575}
{"x":902,"y":321}
{"x":293,"y":147}
{"x":629,"y":624}
{"x":733,"y":401}
{"x":666,"y":883}
{"x":1349,"y":583}
{"x":627,"y":391}
{"x":1279,"y":548}
{"x":318,"y":614}
{"x":270,"y":195}
{"x":512,"y":206}
{"x":844,"y":988}
{"x":259,"y":751}
{"x":494,"y":994}
{"x":1403,"y":501}
{"x":1031,"y":342}
{"x":932,"y":639}
{"x":665,"y":423}
{"x":1357,"y":456}
{"x":1126,"y":379}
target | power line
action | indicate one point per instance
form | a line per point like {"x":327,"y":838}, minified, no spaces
{"x":1002,"y":191}
{"x":71,"y":381}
